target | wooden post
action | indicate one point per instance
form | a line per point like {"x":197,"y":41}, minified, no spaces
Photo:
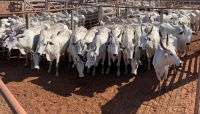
{"x":126,"y":13}
{"x":161,"y":15}
{"x":197,"y":100}
{"x":96,"y":2}
{"x":118,"y":11}
{"x":100,"y":10}
{"x":46,"y":5}
{"x":72,"y":20}
{"x":132,"y":5}
{"x":23,"y":8}
{"x":27,"y":21}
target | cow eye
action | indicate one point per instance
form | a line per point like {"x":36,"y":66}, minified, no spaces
{"x":149,"y":39}
{"x":171,"y":54}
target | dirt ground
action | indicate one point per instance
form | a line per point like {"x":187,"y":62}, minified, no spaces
{"x":41,"y":93}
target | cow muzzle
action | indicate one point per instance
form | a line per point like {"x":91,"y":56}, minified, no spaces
{"x":187,"y":43}
{"x":140,"y":47}
{"x":36,"y":67}
{"x":115,"y":55}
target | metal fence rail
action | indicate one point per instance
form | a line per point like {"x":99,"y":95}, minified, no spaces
{"x":10,"y":99}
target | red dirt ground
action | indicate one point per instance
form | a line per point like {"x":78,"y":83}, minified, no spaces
{"x":41,"y":93}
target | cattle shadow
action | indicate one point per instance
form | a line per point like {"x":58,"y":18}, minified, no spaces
{"x":131,"y":96}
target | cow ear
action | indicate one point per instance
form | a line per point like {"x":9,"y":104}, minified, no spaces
{"x":51,"y":43}
{"x":20,"y":36}
{"x":166,"y":55}
{"x":194,"y":33}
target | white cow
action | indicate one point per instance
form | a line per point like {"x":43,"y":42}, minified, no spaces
{"x":182,"y":32}
{"x":98,"y":50}
{"x":137,"y":52}
{"x":128,"y":45}
{"x":149,"y":43}
{"x":26,"y":42}
{"x":45,"y":36}
{"x":164,"y":57}
{"x":114,"y":47}
{"x":75,"y":51}
{"x":55,"y":46}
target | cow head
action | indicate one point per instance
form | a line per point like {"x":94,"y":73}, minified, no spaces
{"x":114,"y":42}
{"x":145,"y":39}
{"x":169,"y":55}
{"x":79,"y":65}
{"x":14,"y":41}
{"x":188,"y":33}
{"x":135,"y":64}
{"x":128,"y":45}
{"x":91,"y":57}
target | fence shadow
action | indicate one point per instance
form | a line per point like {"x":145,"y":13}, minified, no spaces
{"x":130,"y":97}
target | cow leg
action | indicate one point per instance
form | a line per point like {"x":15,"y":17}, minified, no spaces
{"x":187,"y":49}
{"x":88,"y":70}
{"x":26,"y":57}
{"x":109,"y":64}
{"x":32,"y":63}
{"x":118,"y":63}
{"x":102,"y":64}
{"x":148,"y":59}
{"x":95,"y":65}
{"x":50,"y":64}
{"x":94,"y":70}
{"x":144,"y":59}
{"x":125,"y":62}
{"x":57,"y":64}
{"x":69,"y":62}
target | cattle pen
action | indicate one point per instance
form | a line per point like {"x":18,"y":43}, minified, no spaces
{"x":125,"y":94}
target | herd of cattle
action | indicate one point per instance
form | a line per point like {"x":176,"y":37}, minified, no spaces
{"x":128,"y":39}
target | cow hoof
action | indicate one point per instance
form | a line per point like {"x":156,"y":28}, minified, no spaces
{"x":102,"y":72}
{"x":93,"y":74}
{"x":57,"y":76}
{"x":107,"y":73}
{"x":48,"y":71}
{"x":118,"y":74}
{"x":125,"y":72}
{"x":88,"y":71}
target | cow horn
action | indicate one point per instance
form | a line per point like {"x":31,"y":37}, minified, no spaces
{"x":160,"y":34}
{"x":120,"y":34}
{"x":150,"y":30}
{"x":161,"y":44}
{"x":95,"y":48}
{"x":167,"y":40}
{"x":11,"y":29}
{"x":141,"y":29}
{"x":5,"y":38}
{"x":110,"y":34}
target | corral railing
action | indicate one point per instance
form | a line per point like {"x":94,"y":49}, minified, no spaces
{"x":10,"y":99}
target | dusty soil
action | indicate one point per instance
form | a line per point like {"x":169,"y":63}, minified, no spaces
{"x":42,"y":93}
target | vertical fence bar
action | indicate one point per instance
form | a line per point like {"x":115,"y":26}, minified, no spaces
{"x":100,"y":10}
{"x":10,"y":99}
{"x":161,"y":15}
{"x":126,"y":13}
{"x":197,"y":100}
{"x":72,"y":20}
{"x":27,"y":21}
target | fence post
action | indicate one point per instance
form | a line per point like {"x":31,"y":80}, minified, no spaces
{"x":118,"y":11}
{"x":23,"y":8}
{"x":126,"y":13}
{"x":72,"y":20}
{"x":27,"y":21}
{"x":161,"y":15}
{"x":100,"y":10}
